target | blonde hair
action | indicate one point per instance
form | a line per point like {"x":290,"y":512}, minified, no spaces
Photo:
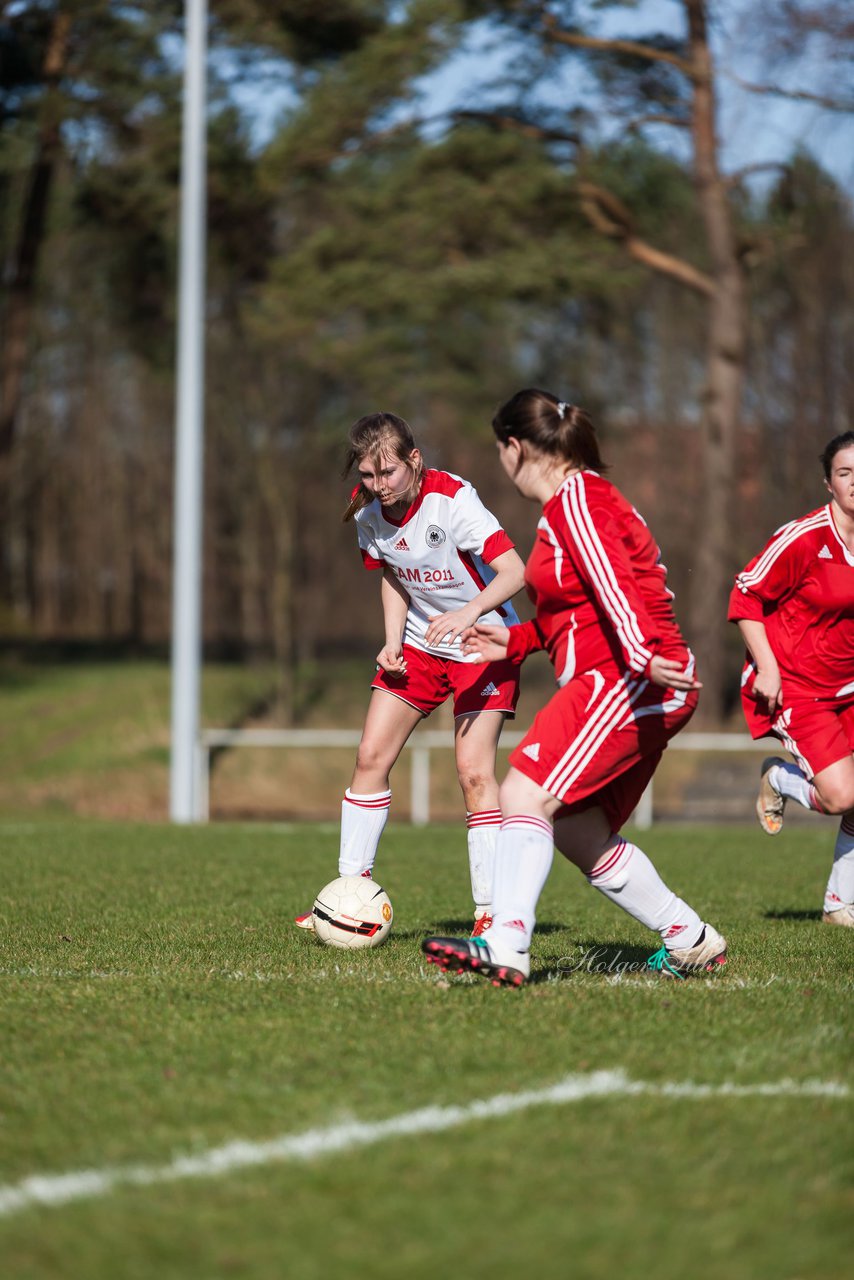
{"x":378,"y":436}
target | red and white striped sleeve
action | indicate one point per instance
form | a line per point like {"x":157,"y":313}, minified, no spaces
{"x":524,"y":638}
{"x":601,"y":559}
{"x":774,"y":573}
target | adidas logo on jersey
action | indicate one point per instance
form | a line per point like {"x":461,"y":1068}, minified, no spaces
{"x":402,"y":545}
{"x":532,"y":752}
{"x":825,"y":553}
{"x":489,"y":691}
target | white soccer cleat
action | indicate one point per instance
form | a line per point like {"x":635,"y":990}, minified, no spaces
{"x":707,"y":953}
{"x":843,"y":915}
{"x":770,"y":805}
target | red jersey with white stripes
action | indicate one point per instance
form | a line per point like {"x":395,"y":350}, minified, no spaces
{"x":600,"y":589}
{"x":801,"y":586}
{"x":439,"y":551}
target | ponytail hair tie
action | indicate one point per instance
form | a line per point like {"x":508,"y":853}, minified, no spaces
{"x":561,"y":409}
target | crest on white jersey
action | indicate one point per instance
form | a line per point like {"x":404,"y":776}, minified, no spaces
{"x":532,"y":752}
{"x":435,"y":536}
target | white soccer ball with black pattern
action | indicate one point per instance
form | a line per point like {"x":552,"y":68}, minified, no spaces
{"x":352,"y":912}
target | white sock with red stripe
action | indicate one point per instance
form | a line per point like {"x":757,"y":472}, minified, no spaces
{"x":789,"y":781}
{"x":840,"y":886}
{"x":626,"y":876}
{"x":482,"y":834}
{"x":523,"y":859}
{"x":363,"y":820}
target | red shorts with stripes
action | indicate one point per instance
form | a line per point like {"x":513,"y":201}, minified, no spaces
{"x":817,"y":732}
{"x":598,"y":741}
{"x":475,"y":686}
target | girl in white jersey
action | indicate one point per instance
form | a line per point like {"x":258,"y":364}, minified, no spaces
{"x":446,"y":564}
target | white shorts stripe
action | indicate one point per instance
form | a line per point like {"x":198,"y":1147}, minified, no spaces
{"x":608,"y":716}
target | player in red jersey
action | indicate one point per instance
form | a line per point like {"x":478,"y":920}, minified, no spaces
{"x":626,"y":685}
{"x":794,"y":606}
{"x":446,"y":563}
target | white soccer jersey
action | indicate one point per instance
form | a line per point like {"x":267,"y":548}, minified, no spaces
{"x":440,"y":552}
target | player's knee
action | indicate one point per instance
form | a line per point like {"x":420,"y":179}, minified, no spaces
{"x":513,"y":795}
{"x":372,"y":758}
{"x":836,"y":797}
{"x":474,"y":781}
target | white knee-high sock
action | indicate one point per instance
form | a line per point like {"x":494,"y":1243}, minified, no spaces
{"x":363,"y":820}
{"x":627,"y":877}
{"x":523,"y":858}
{"x":840,"y":886}
{"x":482,"y":834}
{"x":792,"y":783}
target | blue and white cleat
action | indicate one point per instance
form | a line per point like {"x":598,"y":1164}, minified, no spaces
{"x":706,"y":955}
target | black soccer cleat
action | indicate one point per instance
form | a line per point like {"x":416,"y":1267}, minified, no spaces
{"x":475,"y":955}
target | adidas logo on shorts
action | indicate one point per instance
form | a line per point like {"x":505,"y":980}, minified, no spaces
{"x":489,"y":691}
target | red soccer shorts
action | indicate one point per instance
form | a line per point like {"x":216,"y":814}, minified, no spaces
{"x":818,"y":733}
{"x":598,"y":741}
{"x":430,"y":681}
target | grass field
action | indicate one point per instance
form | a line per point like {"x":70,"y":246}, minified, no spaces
{"x":157,"y":1004}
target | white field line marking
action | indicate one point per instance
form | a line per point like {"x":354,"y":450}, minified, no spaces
{"x":57,"y":1189}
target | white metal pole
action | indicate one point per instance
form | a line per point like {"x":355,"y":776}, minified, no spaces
{"x":189,"y":424}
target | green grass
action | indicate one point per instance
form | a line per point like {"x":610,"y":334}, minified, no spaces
{"x":156,"y":1000}
{"x":92,"y":738}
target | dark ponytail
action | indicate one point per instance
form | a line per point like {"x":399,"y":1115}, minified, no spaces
{"x":553,"y":426}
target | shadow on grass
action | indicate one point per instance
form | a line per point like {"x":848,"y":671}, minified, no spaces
{"x":810,"y":916}
{"x":459,"y":928}
{"x":612,"y":959}
{"x":593,"y":956}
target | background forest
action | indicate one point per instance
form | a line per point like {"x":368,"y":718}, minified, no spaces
{"x":571,"y":225}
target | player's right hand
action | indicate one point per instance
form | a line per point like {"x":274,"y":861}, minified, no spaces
{"x":768,"y":688}
{"x":486,"y":643}
{"x":390,"y":659}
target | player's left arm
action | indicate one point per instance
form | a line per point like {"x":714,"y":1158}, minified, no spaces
{"x":509,"y":578}
{"x":395,"y":603}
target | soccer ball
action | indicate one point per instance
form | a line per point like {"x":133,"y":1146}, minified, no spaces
{"x":352,"y":912}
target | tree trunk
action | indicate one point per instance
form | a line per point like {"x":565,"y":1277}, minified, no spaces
{"x":32,"y":229}
{"x":725,"y":357}
{"x":21,"y":274}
